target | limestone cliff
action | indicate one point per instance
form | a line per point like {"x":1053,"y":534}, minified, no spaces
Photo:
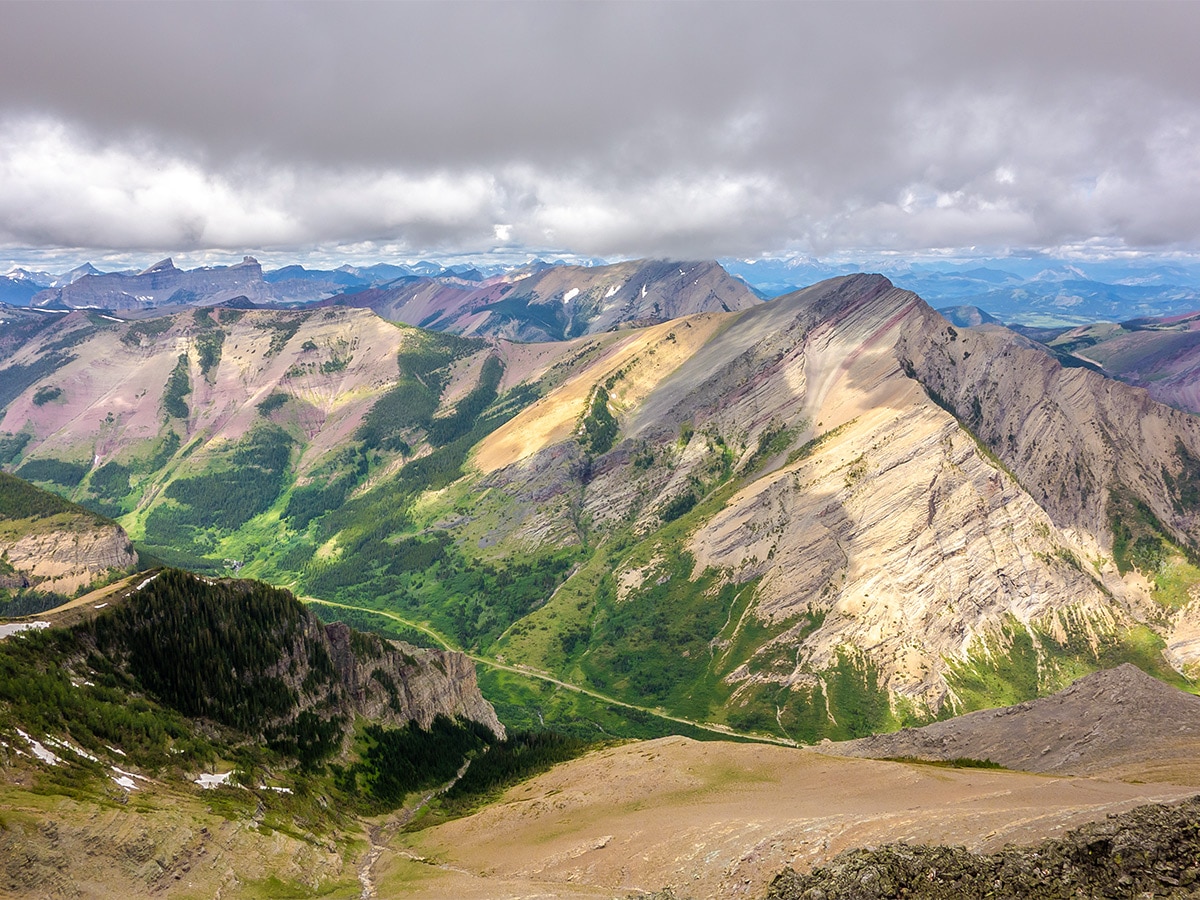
{"x":391,"y":681}
{"x":1069,"y":435}
{"x":53,"y":545}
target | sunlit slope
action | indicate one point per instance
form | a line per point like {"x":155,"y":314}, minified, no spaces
{"x":790,"y":520}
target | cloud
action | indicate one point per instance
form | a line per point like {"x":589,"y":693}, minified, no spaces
{"x":608,"y":129}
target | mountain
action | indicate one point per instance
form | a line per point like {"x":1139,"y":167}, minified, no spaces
{"x":19,"y":285}
{"x":551,"y":303}
{"x":823,"y":516}
{"x":1112,"y":719}
{"x":160,"y":285}
{"x":1161,"y":355}
{"x":184,"y":735}
{"x":50,"y":548}
{"x":19,"y":324}
{"x":1035,"y":292}
{"x":966,"y":316}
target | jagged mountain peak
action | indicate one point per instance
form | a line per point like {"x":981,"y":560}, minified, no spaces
{"x":163,"y":265}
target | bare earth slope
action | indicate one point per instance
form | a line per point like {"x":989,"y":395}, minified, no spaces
{"x":1114,"y":720}
{"x":714,"y":820}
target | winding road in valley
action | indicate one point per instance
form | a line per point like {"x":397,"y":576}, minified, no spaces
{"x":539,"y":675}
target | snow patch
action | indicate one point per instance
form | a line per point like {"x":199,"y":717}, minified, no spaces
{"x":39,"y":751}
{"x":207,"y":781}
{"x":67,"y":745}
{"x":146,"y":582}
{"x":278,"y":790}
{"x":100,"y":606}
{"x":643,"y":290}
{"x":570,"y":295}
{"x":17,"y":627}
{"x":126,"y":779}
{"x":612,"y":290}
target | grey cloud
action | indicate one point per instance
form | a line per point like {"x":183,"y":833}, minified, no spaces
{"x":611,"y":128}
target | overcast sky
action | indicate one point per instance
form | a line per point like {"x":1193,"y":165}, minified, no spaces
{"x":388,"y":131}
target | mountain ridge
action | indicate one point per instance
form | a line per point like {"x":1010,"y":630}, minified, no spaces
{"x":1113,"y":719}
{"x":807,"y":483}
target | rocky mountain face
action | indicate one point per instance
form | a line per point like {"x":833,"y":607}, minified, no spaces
{"x":49,"y":545}
{"x":1069,"y":435}
{"x":160,"y":285}
{"x":868,"y":518}
{"x":427,"y":683}
{"x":253,"y":659}
{"x":560,"y":302}
{"x":65,"y":559}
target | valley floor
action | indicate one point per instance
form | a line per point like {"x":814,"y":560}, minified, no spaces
{"x":721,"y":820}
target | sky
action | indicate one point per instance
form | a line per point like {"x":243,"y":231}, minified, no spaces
{"x":373,"y":132}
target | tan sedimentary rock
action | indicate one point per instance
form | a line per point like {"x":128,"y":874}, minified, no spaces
{"x":64,"y":560}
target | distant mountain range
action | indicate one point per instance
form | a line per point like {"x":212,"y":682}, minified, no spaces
{"x":554,"y":303}
{"x":1035,"y":292}
{"x":643,"y":499}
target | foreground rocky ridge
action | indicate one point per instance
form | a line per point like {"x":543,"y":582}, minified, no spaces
{"x":1151,"y":851}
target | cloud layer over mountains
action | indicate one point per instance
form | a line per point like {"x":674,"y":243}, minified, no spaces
{"x":608,"y":129}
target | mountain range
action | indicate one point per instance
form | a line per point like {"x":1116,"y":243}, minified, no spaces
{"x":752,"y":518}
{"x":642,"y":499}
{"x":1037,"y":292}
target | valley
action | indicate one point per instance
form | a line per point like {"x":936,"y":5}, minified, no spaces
{"x":716,"y":548}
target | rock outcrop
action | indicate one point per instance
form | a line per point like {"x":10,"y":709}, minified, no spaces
{"x":1111,"y":718}
{"x":64,"y":560}
{"x":390,"y":681}
{"x":1151,"y":851}
{"x":1068,"y":434}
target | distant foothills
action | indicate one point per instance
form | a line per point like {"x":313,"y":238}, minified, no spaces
{"x":1035,"y":291}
